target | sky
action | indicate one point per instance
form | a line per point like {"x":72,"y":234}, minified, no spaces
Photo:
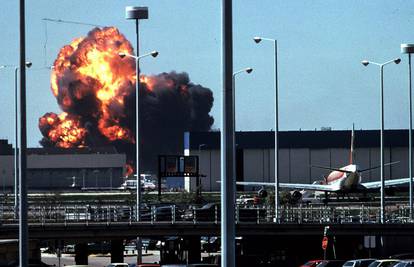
{"x":321,"y":44}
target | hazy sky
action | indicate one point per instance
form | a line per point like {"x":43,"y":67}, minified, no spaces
{"x":321,"y":44}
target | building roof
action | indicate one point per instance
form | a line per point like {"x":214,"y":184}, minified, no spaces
{"x":5,"y":148}
{"x":302,"y":139}
{"x":83,"y":150}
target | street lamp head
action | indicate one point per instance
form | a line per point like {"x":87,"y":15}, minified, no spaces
{"x":365,"y":62}
{"x":29,"y":64}
{"x":249,"y":70}
{"x":121,"y":54}
{"x":257,"y":39}
{"x":136,"y":12}
{"x":154,"y":53}
{"x":407,"y":48}
{"x":397,"y":60}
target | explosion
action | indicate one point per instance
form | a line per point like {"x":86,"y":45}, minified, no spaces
{"x":95,"y":88}
{"x":63,"y":130}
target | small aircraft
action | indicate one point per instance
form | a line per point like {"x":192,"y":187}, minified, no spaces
{"x":342,"y":180}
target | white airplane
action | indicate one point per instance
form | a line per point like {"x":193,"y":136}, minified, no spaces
{"x":340,"y":180}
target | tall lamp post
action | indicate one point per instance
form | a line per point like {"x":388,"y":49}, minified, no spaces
{"x":23,"y":225}
{"x":366,"y":63}
{"x":138,"y":187}
{"x":137,"y":141}
{"x":228,"y":229}
{"x":136,"y":13}
{"x":248,"y":71}
{"x":274,"y":41}
{"x":409,"y":49}
{"x":16,"y":132}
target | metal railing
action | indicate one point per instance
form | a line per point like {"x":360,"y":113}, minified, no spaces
{"x":300,"y":214}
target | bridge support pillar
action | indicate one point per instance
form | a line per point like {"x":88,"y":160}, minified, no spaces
{"x":193,"y":245}
{"x":81,"y":254}
{"x":117,"y":250}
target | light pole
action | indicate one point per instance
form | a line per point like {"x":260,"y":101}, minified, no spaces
{"x":16,"y":132}
{"x":366,"y":63}
{"x":258,"y":40}
{"x":23,"y":224}
{"x":409,"y":49}
{"x":248,"y":71}
{"x":137,"y":13}
{"x":138,"y":178}
{"x":228,"y":229}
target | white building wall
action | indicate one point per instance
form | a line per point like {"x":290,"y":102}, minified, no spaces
{"x":319,"y":157}
{"x":376,"y":161}
{"x":210,"y":167}
{"x":363,"y":160}
{"x":400,"y":169}
{"x":57,"y":161}
{"x":299,"y":165}
{"x":255,"y":165}
{"x":216,"y":171}
{"x":339,"y":157}
{"x":48,"y":166}
{"x":294,"y":164}
{"x":6,"y":171}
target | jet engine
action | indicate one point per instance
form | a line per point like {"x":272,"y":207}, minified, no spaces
{"x":262,"y":193}
{"x":295,"y":197}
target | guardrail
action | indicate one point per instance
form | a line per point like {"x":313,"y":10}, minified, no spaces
{"x":302,"y":214}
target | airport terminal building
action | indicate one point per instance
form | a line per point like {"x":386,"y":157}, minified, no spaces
{"x":58,"y":168}
{"x":298,"y":151}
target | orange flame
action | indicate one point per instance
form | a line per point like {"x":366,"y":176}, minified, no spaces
{"x":129,"y":170}
{"x":95,"y":62}
{"x":63,"y":130}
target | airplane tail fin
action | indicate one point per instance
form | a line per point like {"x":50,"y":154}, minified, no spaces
{"x":351,"y":154}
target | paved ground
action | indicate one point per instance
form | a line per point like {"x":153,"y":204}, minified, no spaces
{"x":97,"y":261}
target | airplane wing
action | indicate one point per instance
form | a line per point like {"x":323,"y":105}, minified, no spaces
{"x":388,"y":183}
{"x":313,"y":187}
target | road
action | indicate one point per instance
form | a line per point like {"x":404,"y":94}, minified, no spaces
{"x":97,"y":261}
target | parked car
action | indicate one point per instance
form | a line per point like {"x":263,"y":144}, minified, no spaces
{"x":384,"y":263}
{"x":118,"y":265}
{"x":207,"y":213}
{"x":331,"y":263}
{"x":212,"y":244}
{"x":311,"y":263}
{"x":38,"y":263}
{"x":202,"y":265}
{"x":405,"y":263}
{"x":149,"y":243}
{"x":162,"y":213}
{"x":211,"y":212}
{"x":245,"y":200}
{"x":358,"y":263}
